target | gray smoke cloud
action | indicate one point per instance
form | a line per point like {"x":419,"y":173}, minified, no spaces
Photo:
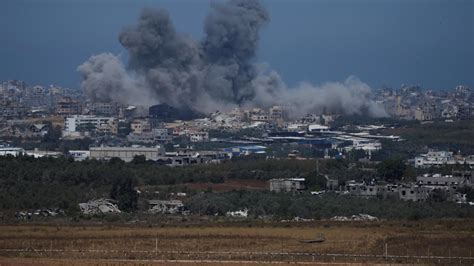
{"x":216,"y":73}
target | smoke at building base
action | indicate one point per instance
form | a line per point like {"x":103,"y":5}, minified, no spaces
{"x":215,"y":73}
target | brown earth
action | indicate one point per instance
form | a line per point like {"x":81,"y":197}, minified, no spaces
{"x":239,"y":243}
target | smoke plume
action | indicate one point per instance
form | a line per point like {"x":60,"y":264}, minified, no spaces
{"x":216,"y":73}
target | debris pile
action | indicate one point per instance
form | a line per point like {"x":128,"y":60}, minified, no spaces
{"x":25,"y":215}
{"x":240,"y":213}
{"x":99,"y":206}
{"x":167,"y":207}
{"x":355,"y":217}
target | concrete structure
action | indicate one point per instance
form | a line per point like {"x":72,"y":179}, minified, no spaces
{"x":126,"y":153}
{"x":276,"y":113}
{"x":361,"y":189}
{"x":4,"y":151}
{"x":153,"y":136}
{"x":67,"y":106}
{"x":38,"y":153}
{"x":438,"y":158}
{"x":81,"y":123}
{"x":98,"y":108}
{"x":166,"y":206}
{"x":139,"y":126}
{"x":79,"y":155}
{"x":318,"y":128}
{"x":246,"y":150}
{"x":444,"y":180}
{"x":287,"y":184}
{"x":434,"y":158}
{"x":198,"y":136}
{"x":414,"y":193}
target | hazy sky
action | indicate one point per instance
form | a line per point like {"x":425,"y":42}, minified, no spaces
{"x":383,"y":42}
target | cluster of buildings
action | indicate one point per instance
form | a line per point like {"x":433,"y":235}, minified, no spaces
{"x":440,"y":158}
{"x":425,"y":187}
{"x":30,"y":112}
{"x":414,"y":103}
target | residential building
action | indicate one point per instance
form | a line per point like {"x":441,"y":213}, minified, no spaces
{"x":139,"y":126}
{"x":67,"y":106}
{"x":438,"y":158}
{"x":153,"y":136}
{"x":287,"y":184}
{"x":198,"y":136}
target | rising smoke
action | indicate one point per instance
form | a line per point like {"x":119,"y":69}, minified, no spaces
{"x":216,"y":73}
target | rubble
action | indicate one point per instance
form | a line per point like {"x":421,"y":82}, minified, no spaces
{"x":99,"y":206}
{"x":240,"y":213}
{"x":167,"y":207}
{"x":26,"y":215}
{"x":355,"y":217}
{"x":297,"y":219}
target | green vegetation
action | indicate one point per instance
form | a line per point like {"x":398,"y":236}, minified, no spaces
{"x":455,"y":136}
{"x":27,"y":183}
{"x":326,"y":206}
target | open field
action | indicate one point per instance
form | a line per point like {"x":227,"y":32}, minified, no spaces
{"x":444,"y":242}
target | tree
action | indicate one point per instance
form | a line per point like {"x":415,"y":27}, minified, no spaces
{"x":438,"y":195}
{"x":123,"y":190}
{"x":316,"y":182}
{"x":53,"y":134}
{"x":139,"y":159}
{"x":391,"y":169}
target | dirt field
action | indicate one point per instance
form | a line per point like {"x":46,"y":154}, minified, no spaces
{"x":375,"y":242}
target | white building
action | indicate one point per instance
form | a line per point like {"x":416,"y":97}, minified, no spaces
{"x":79,"y":155}
{"x":318,"y":128}
{"x":198,"y":136}
{"x":438,"y":158}
{"x":79,"y":123}
{"x":11,"y":151}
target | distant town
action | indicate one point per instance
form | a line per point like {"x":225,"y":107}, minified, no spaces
{"x":242,"y":132}
{"x":58,"y":122}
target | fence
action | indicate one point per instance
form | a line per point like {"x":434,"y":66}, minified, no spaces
{"x":220,"y":256}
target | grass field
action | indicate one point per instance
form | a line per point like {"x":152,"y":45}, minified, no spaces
{"x":454,"y":238}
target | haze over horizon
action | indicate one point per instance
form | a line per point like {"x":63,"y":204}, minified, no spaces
{"x":317,"y":41}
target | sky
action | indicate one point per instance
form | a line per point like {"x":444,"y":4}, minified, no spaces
{"x":385,"y":43}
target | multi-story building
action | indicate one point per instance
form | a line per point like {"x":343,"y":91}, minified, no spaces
{"x":90,"y":123}
{"x":100,"y":108}
{"x":139,"y":126}
{"x":438,"y":158}
{"x":67,"y":106}
{"x":198,"y":136}
{"x":126,"y":153}
{"x":153,"y":136}
{"x":276,"y":113}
